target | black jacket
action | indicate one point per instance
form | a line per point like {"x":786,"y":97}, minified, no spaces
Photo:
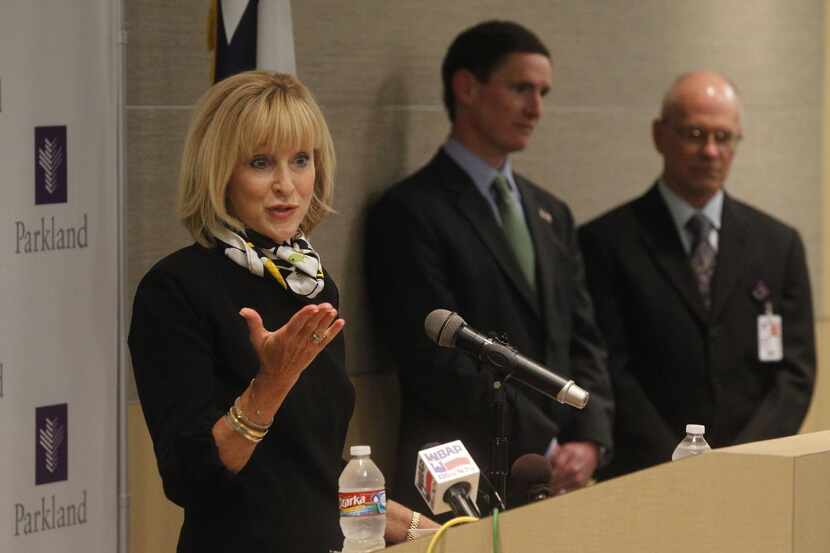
{"x":192,"y":357}
{"x":433,"y":242}
{"x":673,"y":362}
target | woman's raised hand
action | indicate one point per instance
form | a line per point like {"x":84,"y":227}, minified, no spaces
{"x":287,"y":351}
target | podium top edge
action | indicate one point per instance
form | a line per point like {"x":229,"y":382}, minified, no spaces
{"x":791,"y":446}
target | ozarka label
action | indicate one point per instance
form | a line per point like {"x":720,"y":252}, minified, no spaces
{"x":362,"y":503}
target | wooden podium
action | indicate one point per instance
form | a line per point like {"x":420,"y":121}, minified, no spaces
{"x":763,"y":497}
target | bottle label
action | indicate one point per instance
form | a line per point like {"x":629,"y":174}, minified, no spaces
{"x":362,"y":503}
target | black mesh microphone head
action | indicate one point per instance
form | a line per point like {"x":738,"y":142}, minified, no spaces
{"x":530,"y":479}
{"x":441,"y":325}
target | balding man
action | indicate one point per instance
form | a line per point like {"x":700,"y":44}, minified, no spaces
{"x":704,"y":301}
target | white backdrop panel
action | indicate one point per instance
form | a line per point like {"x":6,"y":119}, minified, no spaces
{"x":58,"y":277}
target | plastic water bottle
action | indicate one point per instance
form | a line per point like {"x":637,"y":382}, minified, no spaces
{"x":362,"y":503}
{"x":693,"y":444}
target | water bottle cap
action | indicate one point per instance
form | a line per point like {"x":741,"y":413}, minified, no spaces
{"x":360,"y":450}
{"x":695,"y":429}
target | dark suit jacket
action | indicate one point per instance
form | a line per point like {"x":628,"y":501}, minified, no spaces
{"x":672,"y":362}
{"x":433,"y":242}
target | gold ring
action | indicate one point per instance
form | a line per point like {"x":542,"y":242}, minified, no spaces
{"x":316,"y":338}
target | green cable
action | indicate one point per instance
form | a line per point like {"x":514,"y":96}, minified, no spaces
{"x":496,"y":537}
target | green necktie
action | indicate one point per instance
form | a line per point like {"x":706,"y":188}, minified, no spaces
{"x":515,"y":228}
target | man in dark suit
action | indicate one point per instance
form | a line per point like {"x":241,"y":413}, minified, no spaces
{"x":467,"y":234}
{"x":704,"y":301}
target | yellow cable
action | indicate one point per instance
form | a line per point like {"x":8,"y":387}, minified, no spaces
{"x":447,"y":525}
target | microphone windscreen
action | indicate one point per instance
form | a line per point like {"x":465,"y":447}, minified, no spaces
{"x":530,"y":478}
{"x":441,"y":325}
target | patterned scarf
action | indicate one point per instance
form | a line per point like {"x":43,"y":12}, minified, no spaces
{"x":294,"y":264}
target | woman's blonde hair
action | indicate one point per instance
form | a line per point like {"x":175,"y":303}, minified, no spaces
{"x":232,"y":120}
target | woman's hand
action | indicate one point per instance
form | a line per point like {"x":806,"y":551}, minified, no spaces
{"x":286,"y":352}
{"x":283,"y":356}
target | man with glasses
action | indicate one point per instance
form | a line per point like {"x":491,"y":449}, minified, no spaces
{"x":704,"y":301}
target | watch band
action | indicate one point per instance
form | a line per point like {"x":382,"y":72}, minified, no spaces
{"x":413,"y":525}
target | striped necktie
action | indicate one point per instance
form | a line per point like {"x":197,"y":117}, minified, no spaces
{"x":515,"y":228}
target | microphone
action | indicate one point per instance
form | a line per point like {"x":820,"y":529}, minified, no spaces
{"x":447,"y":478}
{"x":530,"y":479}
{"x":449,"y":330}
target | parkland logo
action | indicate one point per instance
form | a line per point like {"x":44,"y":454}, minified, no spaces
{"x":50,"y":165}
{"x":51,"y":444}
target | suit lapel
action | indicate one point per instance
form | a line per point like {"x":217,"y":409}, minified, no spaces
{"x":661,"y":239}
{"x":478,"y":213}
{"x":731,"y":256}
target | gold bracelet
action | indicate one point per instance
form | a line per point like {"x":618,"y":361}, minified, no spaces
{"x":234,"y":413}
{"x":248,"y":422}
{"x":240,"y":430}
{"x":253,"y":402}
{"x":244,"y":430}
{"x":413,"y":525}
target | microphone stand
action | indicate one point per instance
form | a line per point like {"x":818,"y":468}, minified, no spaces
{"x":500,"y":443}
{"x":495,"y":365}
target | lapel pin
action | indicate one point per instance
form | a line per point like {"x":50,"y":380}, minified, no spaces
{"x":545,"y":215}
{"x":760,"y":292}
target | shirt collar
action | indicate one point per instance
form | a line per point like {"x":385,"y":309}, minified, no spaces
{"x":478,"y":170}
{"x":681,"y":211}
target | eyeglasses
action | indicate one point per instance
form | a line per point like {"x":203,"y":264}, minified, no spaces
{"x":724,"y":140}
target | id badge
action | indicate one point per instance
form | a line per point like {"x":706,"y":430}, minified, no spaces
{"x":770,"y":337}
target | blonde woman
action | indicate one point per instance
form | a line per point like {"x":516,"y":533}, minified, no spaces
{"x":248,"y":423}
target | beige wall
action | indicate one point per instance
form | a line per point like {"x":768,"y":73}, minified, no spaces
{"x":374,"y":67}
